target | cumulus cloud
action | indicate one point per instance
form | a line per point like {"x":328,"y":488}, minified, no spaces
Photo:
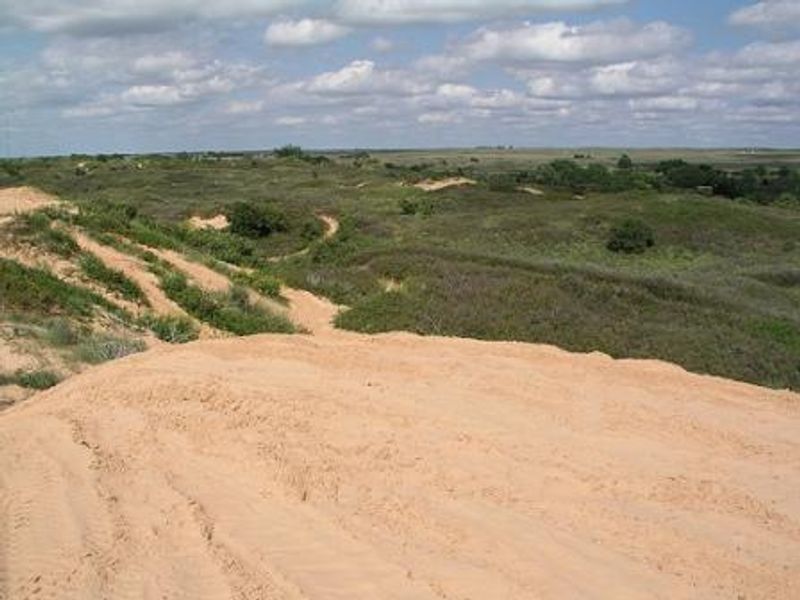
{"x":305,"y":32}
{"x":439,"y":11}
{"x":363,"y":77}
{"x":599,"y":42}
{"x":768,"y":13}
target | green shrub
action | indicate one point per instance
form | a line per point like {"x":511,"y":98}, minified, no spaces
{"x":630,"y":237}
{"x":37,"y":380}
{"x":255,"y":220}
{"x":408,"y":207}
{"x":624,"y":162}
{"x":174,"y":329}
{"x":113,"y":280}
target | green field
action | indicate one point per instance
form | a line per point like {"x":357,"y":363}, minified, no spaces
{"x":718,"y":293}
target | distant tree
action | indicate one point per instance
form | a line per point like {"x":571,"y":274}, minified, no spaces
{"x":625,"y":162}
{"x":290,"y":151}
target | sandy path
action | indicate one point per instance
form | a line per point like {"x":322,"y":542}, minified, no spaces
{"x":331,"y":225}
{"x":355,"y":467}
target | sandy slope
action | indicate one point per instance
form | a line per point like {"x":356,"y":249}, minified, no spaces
{"x":354,"y":467}
{"x":19,"y":200}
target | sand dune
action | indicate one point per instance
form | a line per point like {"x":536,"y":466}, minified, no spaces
{"x":355,"y":467}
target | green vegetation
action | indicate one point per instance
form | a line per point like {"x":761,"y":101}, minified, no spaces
{"x":38,"y":291}
{"x":717,"y":293}
{"x":230,"y":311}
{"x":630,"y":237}
{"x":113,"y":280}
{"x":174,"y":329}
{"x":98,"y":349}
{"x":255,"y":221}
{"x":36,"y":228}
{"x":36,"y":380}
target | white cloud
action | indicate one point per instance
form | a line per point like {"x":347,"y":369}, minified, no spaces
{"x":244,"y":107}
{"x":443,"y":11}
{"x":290,"y":121}
{"x":769,"y":13}
{"x":305,"y":32}
{"x":770,"y":53}
{"x":115,"y":17}
{"x":598,"y":42}
{"x":153,"y":95}
{"x":665,"y":104}
{"x":362,"y":77}
{"x":160,"y":63}
{"x":382,"y":44}
{"x":438,"y":118}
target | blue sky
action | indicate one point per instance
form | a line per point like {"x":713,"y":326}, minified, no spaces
{"x":157,"y":75}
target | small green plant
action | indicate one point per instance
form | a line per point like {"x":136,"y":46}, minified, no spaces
{"x":630,"y":237}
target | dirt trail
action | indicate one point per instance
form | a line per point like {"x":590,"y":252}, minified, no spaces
{"x":394,"y":466}
{"x":331,"y":225}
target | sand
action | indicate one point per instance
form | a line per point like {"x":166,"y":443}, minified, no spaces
{"x":342,"y":466}
{"x":532,"y":191}
{"x":20,"y":200}
{"x":441,"y":184}
{"x":218,"y":222}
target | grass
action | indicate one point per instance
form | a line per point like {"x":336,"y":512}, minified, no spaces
{"x":36,"y":380}
{"x":231,"y":311}
{"x":174,"y":329}
{"x":37,"y":291}
{"x":113,"y":280}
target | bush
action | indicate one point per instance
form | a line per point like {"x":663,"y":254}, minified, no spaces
{"x":37,"y":380}
{"x":412,"y":207}
{"x":625,"y":162}
{"x":174,"y":329}
{"x":255,"y":221}
{"x":631,"y":237}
